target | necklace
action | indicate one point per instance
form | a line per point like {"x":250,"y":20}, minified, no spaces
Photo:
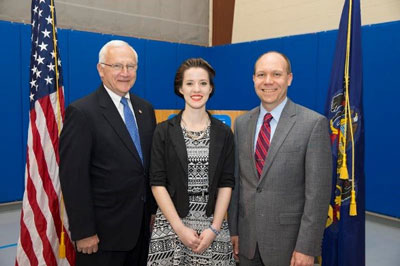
{"x":195,"y":135}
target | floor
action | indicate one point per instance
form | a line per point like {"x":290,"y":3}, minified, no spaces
{"x":382,"y":238}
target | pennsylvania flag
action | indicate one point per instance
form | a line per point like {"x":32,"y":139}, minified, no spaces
{"x":344,"y":237}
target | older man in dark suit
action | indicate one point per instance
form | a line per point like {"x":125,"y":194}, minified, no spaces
{"x":279,"y":206}
{"x":104,"y":159}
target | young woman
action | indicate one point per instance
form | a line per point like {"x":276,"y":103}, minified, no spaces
{"x":191,"y":175}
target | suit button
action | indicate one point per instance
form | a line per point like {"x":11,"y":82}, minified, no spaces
{"x":259,"y":190}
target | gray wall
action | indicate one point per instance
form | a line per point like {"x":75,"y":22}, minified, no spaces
{"x":182,"y":21}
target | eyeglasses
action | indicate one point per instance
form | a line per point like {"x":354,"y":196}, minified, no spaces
{"x":120,"y":67}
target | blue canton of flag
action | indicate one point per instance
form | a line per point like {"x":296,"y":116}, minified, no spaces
{"x":43,"y":64}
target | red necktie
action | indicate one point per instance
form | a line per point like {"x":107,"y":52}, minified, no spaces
{"x":262,"y":145}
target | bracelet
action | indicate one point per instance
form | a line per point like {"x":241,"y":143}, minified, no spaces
{"x":215,"y":231}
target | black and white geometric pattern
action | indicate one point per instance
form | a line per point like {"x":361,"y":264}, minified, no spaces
{"x":165,"y":246}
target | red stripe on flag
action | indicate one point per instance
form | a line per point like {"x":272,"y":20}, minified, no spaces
{"x":52,"y":129}
{"x":51,"y":121}
{"x":43,"y":169}
{"x":69,"y":248}
{"x":62,"y":110}
{"x":40,"y":220}
{"x":26,"y":243}
{"x":62,"y":103}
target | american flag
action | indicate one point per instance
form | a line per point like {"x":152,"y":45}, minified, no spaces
{"x":43,"y":218}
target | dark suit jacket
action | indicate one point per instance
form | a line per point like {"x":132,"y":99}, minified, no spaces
{"x":104,"y":183}
{"x":169,"y":162}
{"x":286,"y":208}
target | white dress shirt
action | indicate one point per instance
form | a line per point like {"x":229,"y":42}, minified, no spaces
{"x":117,"y":102}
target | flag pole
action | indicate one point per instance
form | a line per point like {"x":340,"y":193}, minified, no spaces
{"x":62,"y":249}
{"x":349,"y":121}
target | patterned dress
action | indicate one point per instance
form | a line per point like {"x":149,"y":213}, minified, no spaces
{"x":165,"y":246}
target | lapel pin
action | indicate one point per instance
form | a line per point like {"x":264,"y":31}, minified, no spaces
{"x":140,"y":111}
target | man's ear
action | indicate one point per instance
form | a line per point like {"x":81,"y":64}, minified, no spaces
{"x":290,"y":78}
{"x":100,"y":70}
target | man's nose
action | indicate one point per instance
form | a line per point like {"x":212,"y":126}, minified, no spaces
{"x":268,"y":79}
{"x":124,"y":70}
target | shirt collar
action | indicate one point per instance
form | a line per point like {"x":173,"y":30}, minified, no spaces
{"x":115,"y":97}
{"x":276,"y":112}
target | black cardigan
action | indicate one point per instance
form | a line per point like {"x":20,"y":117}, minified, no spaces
{"x":169,"y":162}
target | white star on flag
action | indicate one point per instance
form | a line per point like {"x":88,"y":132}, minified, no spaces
{"x":46,"y":33}
{"x":49,"y":20}
{"x":34,"y":69}
{"x":40,"y":60}
{"x":51,"y":66}
{"x":43,"y":46}
{"x":33,"y":83}
{"x":48,"y":80}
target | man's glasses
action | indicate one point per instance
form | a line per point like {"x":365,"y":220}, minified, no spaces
{"x":120,"y":67}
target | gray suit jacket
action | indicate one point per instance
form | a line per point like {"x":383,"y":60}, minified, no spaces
{"x":286,"y":209}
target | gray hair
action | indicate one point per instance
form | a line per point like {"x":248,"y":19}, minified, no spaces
{"x":115,"y":43}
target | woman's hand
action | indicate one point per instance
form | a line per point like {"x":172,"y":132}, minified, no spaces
{"x":206,"y":238}
{"x":189,"y":237}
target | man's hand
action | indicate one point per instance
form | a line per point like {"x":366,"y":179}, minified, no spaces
{"x":300,"y":259}
{"x":88,"y":245}
{"x":235,"y":244}
{"x":206,"y":238}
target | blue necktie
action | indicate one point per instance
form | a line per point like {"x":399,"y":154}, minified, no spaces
{"x":131,"y":126}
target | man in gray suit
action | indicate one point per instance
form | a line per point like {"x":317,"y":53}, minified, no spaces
{"x":283,"y":174}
